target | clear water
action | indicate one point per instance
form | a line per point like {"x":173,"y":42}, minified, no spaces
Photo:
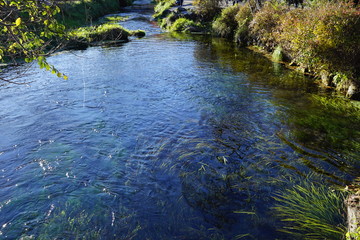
{"x":165,"y":137}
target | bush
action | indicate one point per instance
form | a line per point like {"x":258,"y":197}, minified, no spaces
{"x":226,"y":24}
{"x":183,"y":25}
{"x":323,"y":37}
{"x":265,"y":24}
{"x":243,"y":18}
{"x":208,"y":9}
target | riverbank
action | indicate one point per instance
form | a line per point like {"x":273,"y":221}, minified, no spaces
{"x":57,"y":26}
{"x":80,"y":13}
{"x":321,"y":39}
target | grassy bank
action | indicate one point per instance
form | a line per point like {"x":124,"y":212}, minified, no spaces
{"x":322,"y":39}
{"x":86,"y":12}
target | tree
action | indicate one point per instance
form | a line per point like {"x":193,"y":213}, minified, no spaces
{"x":29,"y":32}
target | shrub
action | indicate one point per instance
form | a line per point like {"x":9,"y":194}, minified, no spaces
{"x":183,"y":25}
{"x":208,"y":9}
{"x":243,"y":18}
{"x":323,"y":37}
{"x":265,"y":24}
{"x":226,"y":24}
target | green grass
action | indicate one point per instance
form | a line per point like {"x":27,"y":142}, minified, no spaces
{"x":104,"y":32}
{"x":183,"y":25}
{"x":161,"y":7}
{"x":80,"y":13}
{"x":311,"y":211}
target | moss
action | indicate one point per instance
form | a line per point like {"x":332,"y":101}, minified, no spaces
{"x":138,"y":33}
{"x":168,"y":20}
{"x":104,"y":32}
{"x":114,"y":19}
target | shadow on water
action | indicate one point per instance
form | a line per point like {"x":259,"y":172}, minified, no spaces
{"x":167,"y":137}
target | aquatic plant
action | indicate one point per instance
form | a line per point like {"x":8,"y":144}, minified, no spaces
{"x":331,"y":132}
{"x":277,"y":54}
{"x":311,"y":211}
{"x":77,"y":220}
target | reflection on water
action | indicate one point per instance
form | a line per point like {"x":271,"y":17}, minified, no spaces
{"x":165,"y":138}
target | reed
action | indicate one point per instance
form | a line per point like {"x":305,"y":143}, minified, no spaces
{"x":311,"y":211}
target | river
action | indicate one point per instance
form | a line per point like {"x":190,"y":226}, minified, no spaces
{"x":165,"y":137}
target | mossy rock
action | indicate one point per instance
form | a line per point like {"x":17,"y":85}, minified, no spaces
{"x":138,"y":33}
{"x":83,"y":37}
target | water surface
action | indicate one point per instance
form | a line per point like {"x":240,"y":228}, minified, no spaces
{"x":165,"y":137}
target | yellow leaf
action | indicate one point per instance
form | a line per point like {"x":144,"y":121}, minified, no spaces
{"x":18,"y":22}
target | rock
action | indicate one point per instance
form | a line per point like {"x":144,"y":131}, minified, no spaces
{"x":165,"y":13}
{"x":353,"y":214}
{"x":181,"y":9}
{"x":353,"y":92}
{"x":189,"y":15}
{"x":74,"y":44}
{"x":193,"y":29}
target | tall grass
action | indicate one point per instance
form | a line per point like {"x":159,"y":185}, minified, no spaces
{"x":311,"y":211}
{"x":79,"y":13}
{"x":161,"y":7}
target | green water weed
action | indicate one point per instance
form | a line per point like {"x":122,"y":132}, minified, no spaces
{"x":311,"y":211}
